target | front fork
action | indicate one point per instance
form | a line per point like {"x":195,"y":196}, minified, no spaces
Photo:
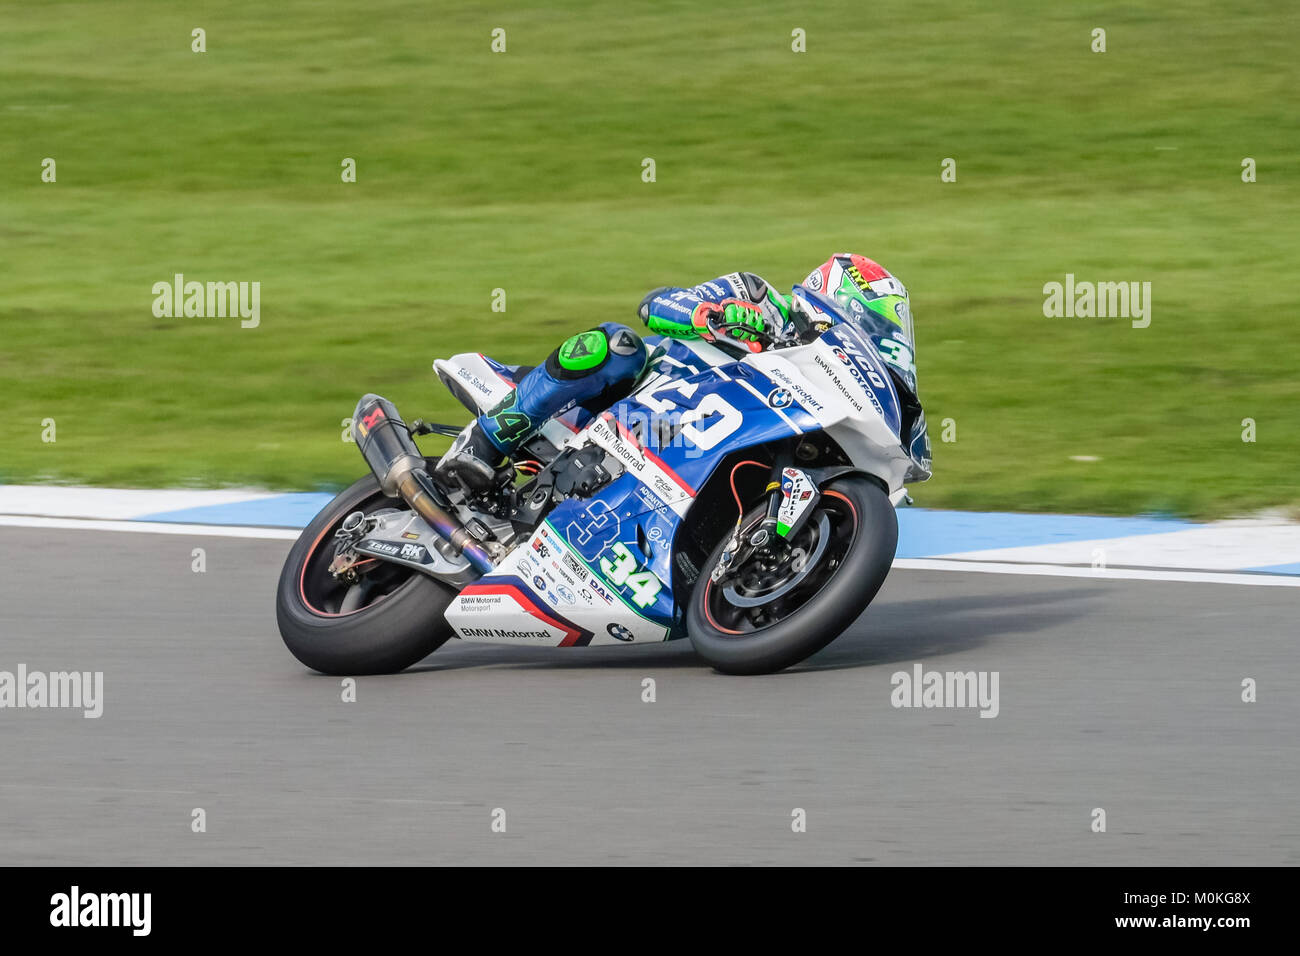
{"x":791,"y":496}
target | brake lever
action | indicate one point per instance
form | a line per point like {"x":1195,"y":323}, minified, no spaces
{"x":748,"y":346}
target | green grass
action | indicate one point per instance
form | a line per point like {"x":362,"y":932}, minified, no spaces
{"x":523,"y":171}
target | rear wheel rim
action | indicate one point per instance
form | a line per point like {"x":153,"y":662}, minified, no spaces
{"x":323,"y":595}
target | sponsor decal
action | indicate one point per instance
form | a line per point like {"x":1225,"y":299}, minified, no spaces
{"x":619,"y":632}
{"x":539,"y":582}
{"x":370,"y":421}
{"x":410,"y":536}
{"x":858,"y":367}
{"x":412,"y":552}
{"x":479,"y":603}
{"x":381,"y":547}
{"x":566,"y":595}
{"x":650,"y":499}
{"x":859,"y":361}
{"x":555,"y":566}
{"x":798,"y":389}
{"x":840,"y":385}
{"x":576,"y":566}
{"x":780,"y":398}
{"x":540,"y":547}
{"x":623,"y":342}
{"x":659,"y":537}
{"x":585,"y":595}
{"x":648,"y":469}
{"x":474,"y":382}
{"x":599,"y":590}
{"x":814,"y":281}
{"x":796,"y":494}
{"x":503,"y":633}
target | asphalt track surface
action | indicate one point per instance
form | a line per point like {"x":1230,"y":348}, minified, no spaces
{"x":1123,"y":695}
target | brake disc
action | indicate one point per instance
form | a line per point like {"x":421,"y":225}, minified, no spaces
{"x":807,"y":561}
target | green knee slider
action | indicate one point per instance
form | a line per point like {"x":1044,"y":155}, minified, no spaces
{"x":584,"y":351}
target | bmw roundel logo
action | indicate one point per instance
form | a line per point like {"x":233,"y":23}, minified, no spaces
{"x":619,"y":632}
{"x":842,"y":356}
{"x":780,"y":398}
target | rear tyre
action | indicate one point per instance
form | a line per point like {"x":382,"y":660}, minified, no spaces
{"x":756,"y":621}
{"x":385,"y":623}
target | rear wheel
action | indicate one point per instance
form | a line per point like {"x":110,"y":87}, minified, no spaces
{"x":779,"y":606}
{"x":379,"y":620}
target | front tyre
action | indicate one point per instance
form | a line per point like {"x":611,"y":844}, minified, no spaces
{"x":766,"y":615}
{"x":388,"y":619}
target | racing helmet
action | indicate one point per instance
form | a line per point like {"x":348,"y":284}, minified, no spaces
{"x":862,"y":291}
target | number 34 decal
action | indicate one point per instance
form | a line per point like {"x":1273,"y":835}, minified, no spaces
{"x":622,"y":572}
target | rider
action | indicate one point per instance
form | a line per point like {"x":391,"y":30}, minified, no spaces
{"x":596,"y":368}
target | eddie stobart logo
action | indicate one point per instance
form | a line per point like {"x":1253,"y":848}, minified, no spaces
{"x":796,"y":389}
{"x":75,"y":909}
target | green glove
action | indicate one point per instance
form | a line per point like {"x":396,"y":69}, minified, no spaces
{"x":747,"y":314}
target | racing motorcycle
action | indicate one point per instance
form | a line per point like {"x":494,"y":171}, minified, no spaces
{"x":740,"y":498}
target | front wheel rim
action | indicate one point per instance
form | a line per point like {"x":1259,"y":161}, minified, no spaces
{"x":785,"y":600}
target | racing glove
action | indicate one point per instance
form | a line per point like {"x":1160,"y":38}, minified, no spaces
{"x":747,"y":315}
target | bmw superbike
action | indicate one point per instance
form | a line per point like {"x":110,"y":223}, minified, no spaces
{"x":742,"y":500}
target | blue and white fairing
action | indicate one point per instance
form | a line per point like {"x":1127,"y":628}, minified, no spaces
{"x":599,"y":570}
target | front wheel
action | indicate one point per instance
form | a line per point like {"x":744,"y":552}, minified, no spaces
{"x":775,"y":609}
{"x":379,"y":619}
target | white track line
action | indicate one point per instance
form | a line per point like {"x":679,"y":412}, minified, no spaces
{"x":147,"y":527}
{"x":1122,"y":574}
{"x":114,"y":503}
{"x":905,"y":564}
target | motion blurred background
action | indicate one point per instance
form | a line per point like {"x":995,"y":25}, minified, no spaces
{"x":522,"y":171}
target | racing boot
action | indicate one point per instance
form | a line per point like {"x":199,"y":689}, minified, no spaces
{"x":472,"y":460}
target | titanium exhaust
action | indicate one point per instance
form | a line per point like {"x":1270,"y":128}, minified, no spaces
{"x":392,"y":455}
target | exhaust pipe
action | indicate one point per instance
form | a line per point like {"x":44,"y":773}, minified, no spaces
{"x":399,"y":466}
